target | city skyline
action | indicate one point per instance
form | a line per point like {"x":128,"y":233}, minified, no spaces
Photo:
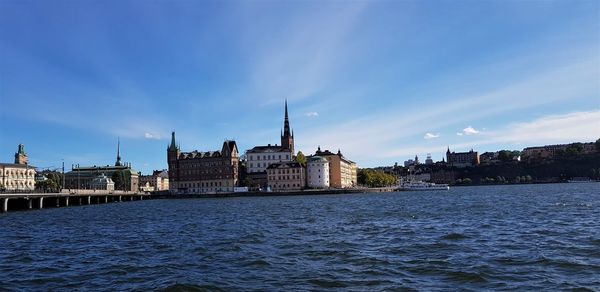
{"x":381,"y":81}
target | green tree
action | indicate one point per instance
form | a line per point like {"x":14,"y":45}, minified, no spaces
{"x":246,"y":182}
{"x":574,"y":149}
{"x":598,"y":145}
{"x":122,"y":179}
{"x":300,"y":158}
{"x":372,"y":178}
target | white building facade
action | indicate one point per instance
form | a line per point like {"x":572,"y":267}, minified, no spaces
{"x":18,"y":176}
{"x":317,"y":172}
{"x":260,"y":157}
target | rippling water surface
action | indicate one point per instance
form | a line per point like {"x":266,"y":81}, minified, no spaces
{"x":505,"y":237}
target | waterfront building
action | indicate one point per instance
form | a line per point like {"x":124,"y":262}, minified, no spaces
{"x":157,"y":181}
{"x":342,"y":171}
{"x":259,"y":158}
{"x":317,"y":172}
{"x":203,"y":172}
{"x":551,"y":151}
{"x":286,"y":176}
{"x":489,"y":158}
{"x":462,"y":159}
{"x":18,"y":176}
{"x":85,"y":177}
{"x":103,"y":183}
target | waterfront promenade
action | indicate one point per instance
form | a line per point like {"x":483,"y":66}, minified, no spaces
{"x":22,"y":201}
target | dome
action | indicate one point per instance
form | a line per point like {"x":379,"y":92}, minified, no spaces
{"x":317,"y":159}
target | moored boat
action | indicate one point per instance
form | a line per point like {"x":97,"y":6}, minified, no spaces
{"x":580,"y":180}
{"x":422,"y":186}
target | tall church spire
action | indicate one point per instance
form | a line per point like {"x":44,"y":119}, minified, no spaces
{"x":287,"y":138}
{"x":118,"y":163}
{"x":173,"y":146}
{"x":286,"y":122}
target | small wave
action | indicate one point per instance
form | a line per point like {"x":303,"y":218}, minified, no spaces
{"x":191,"y":287}
{"x":323,"y":283}
{"x":454,"y":236}
{"x":257,"y":263}
{"x":461,"y":276}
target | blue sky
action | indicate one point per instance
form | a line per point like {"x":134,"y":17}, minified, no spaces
{"x":381,"y":80}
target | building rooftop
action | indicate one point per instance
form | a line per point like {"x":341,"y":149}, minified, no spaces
{"x":267,"y":149}
{"x":283,"y":164}
{"x":17,"y":165}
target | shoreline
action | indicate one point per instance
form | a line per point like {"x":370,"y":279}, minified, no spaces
{"x":273,"y":194}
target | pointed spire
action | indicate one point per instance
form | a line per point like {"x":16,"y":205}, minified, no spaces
{"x":286,"y":122}
{"x":173,"y":146}
{"x":287,"y":139}
{"x":118,"y":162}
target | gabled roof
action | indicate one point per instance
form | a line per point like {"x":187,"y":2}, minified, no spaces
{"x":17,"y":165}
{"x":269,"y":148}
{"x":285,"y":165}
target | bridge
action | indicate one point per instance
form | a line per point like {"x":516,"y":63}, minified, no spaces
{"x":24,"y":201}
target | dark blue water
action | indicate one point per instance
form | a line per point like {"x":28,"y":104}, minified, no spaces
{"x":505,"y":237}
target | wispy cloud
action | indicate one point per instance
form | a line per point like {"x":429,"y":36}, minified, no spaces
{"x":571,"y":127}
{"x":431,"y":136}
{"x":552,"y":129}
{"x":308,"y":55}
{"x":312,"y":114}
{"x":383,"y":134}
{"x":152,"y":136}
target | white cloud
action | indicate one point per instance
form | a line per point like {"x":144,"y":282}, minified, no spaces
{"x":431,"y":136}
{"x":312,"y":114}
{"x":152,"y":136}
{"x":469,"y":131}
{"x":565,"y":128}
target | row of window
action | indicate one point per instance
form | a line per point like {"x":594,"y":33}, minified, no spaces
{"x":203,"y":184}
{"x":19,"y":183}
{"x":18,"y":173}
{"x":258,"y":164}
{"x":206,"y":171}
{"x":285,"y":171}
{"x":269,"y":157}
{"x":284,"y":177}
{"x":204,"y":164}
{"x":278,"y":186}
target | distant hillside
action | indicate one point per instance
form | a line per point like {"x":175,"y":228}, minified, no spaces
{"x":555,"y":170}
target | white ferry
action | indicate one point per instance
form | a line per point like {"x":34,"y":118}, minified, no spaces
{"x":581,"y":180}
{"x":422,"y":186}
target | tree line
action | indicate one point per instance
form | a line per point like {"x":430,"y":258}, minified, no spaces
{"x":375,"y":179}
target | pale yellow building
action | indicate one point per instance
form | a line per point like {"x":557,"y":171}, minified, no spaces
{"x":286,"y":176}
{"x":18,"y":176}
{"x":342,"y":171}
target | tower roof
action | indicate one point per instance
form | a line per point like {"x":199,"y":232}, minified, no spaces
{"x":286,"y":122}
{"x":173,"y":146}
{"x":118,"y":162}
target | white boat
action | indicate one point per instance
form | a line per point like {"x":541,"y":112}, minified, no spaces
{"x":422,"y":186}
{"x":580,"y":180}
